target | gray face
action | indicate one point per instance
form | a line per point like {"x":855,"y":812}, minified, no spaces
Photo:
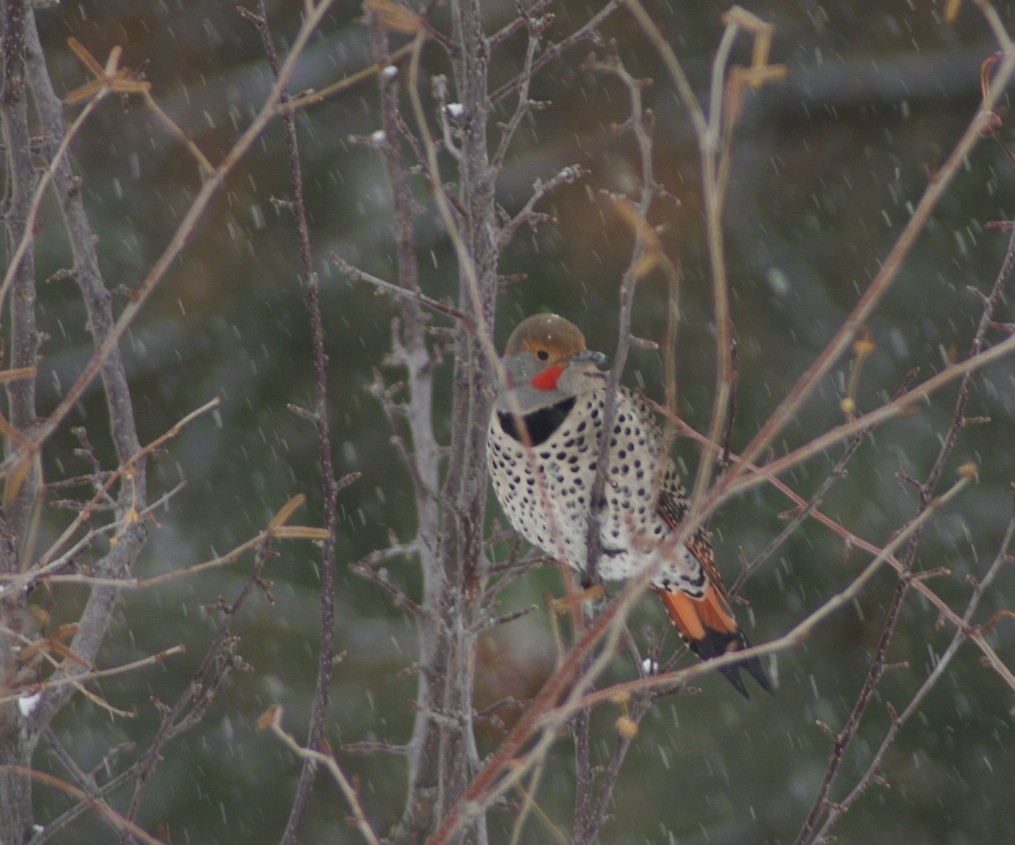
{"x":521,"y":368}
{"x":580,"y":374}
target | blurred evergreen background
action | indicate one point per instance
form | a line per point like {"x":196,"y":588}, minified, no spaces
{"x":827,"y":165}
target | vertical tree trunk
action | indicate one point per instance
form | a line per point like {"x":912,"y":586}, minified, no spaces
{"x":16,"y":514}
{"x":443,"y":746}
{"x":465,"y":487}
{"x":23,"y":69}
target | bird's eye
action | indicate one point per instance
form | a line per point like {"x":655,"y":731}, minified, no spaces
{"x":542,"y":354}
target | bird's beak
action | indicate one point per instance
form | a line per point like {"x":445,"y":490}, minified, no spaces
{"x":588,"y":356}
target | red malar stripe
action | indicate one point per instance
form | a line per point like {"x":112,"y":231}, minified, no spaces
{"x":547,"y":379}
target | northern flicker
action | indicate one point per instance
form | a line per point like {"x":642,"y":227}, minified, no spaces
{"x":556,"y":386}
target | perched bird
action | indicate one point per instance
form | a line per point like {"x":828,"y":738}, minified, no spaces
{"x":558,"y":392}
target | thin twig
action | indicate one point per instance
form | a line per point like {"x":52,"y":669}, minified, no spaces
{"x":180,"y":238}
{"x":28,"y":237}
{"x":315,"y":758}
{"x":962,"y":633}
{"x":120,"y":822}
{"x":540,"y":190}
{"x":796,"y":635}
{"x":859,"y":542}
{"x":190,"y":707}
{"x":646,"y":254}
{"x":583,"y":33}
{"x":844,"y":738}
{"x":329,"y":488}
{"x":889,"y":268}
{"x":358,"y":275}
{"x":95,"y":674}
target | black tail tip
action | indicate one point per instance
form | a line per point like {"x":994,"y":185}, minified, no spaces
{"x":753,"y":668}
{"x":716,"y":643}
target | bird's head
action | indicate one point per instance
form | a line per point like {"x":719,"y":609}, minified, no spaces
{"x":546,"y":362}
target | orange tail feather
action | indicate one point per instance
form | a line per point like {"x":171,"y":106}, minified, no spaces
{"x":710,"y":629}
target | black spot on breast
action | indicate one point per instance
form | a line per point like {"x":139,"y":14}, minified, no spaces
{"x":540,"y":424}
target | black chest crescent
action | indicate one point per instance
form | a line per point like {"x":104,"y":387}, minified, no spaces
{"x":540,"y":424}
